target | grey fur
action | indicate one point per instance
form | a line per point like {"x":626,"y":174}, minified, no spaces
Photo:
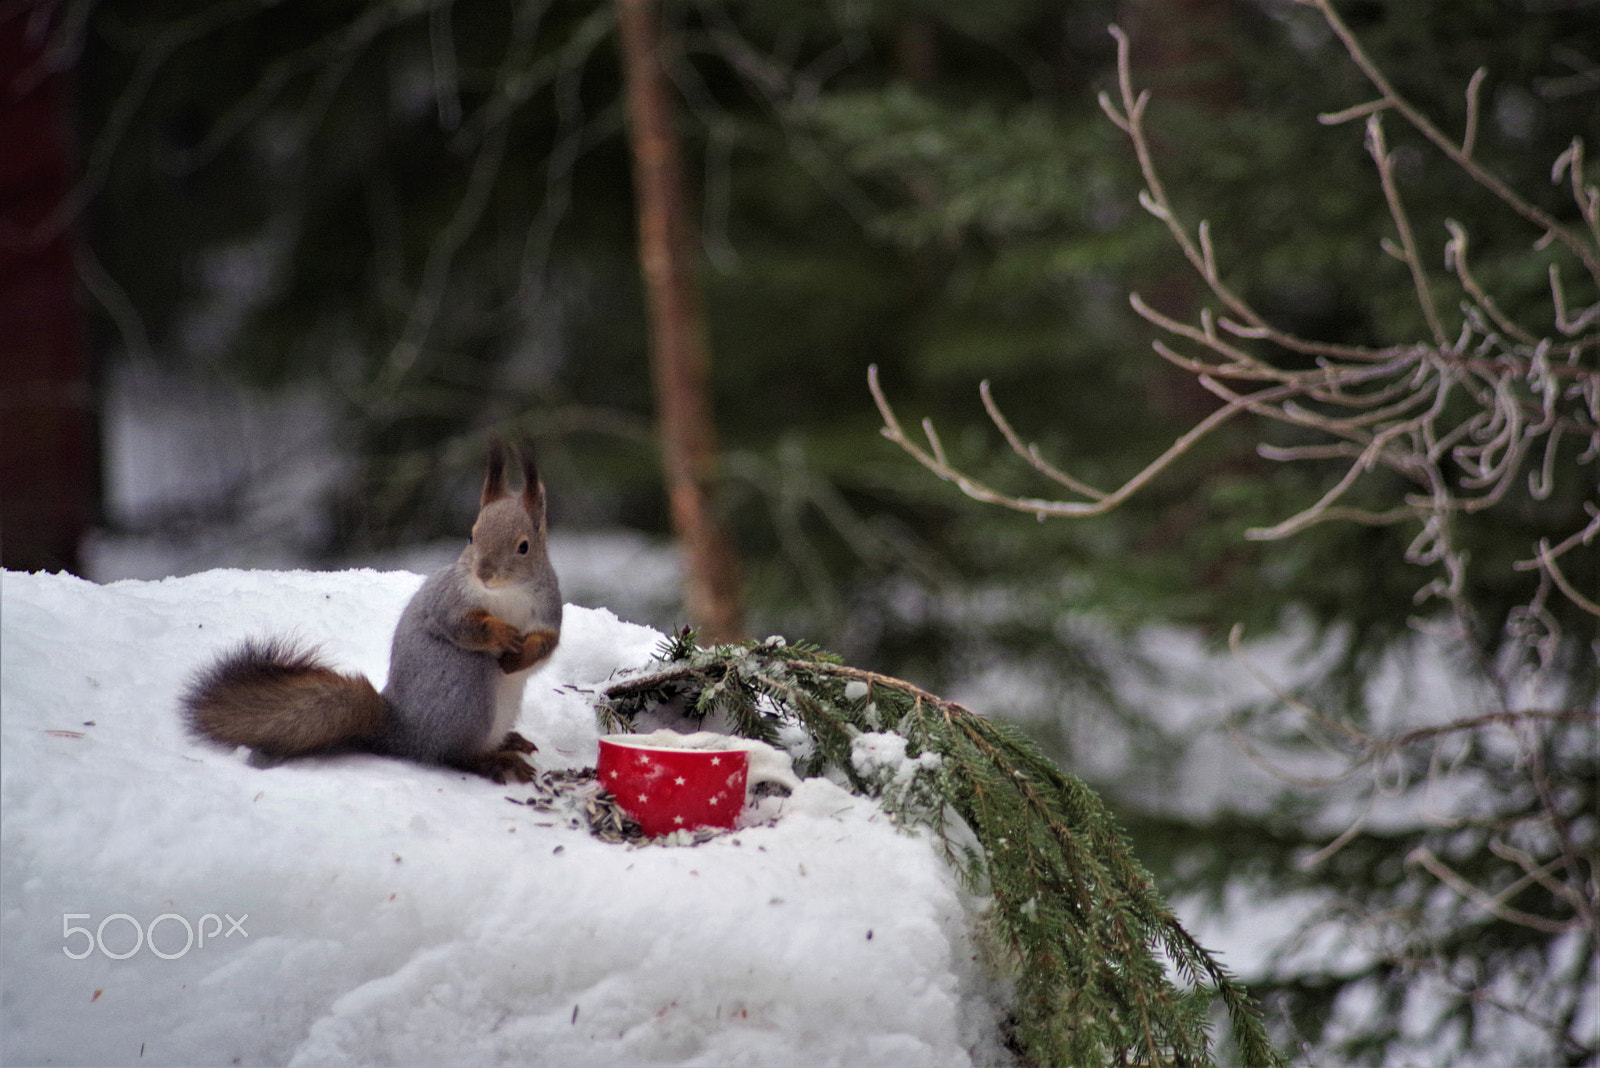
{"x":446,"y":712}
{"x":445,"y":699}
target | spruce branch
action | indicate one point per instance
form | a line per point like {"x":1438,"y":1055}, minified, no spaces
{"x":1074,"y":910}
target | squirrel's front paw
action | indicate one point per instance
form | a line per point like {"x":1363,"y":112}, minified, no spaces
{"x":490,"y":634}
{"x":516,"y":743}
{"x":533,"y":647}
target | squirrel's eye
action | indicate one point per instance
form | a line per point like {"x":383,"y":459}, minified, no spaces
{"x":522,"y":546}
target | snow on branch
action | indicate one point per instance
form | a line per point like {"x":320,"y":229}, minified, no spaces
{"x":1077,"y":922}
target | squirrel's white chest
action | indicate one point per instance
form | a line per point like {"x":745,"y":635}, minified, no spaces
{"x":510,"y":603}
{"x":507,"y":706}
{"x":513,"y":605}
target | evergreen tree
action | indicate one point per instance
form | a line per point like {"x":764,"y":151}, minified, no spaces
{"x":427,"y":207}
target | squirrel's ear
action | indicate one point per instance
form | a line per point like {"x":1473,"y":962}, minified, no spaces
{"x":494,"y":479}
{"x":532,"y":488}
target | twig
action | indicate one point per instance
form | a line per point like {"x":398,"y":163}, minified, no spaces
{"x":1398,"y":408}
{"x":978,"y":491}
{"x":1031,"y":453}
{"x":1548,"y":561}
{"x":1441,"y":871}
{"x":1455,"y":253}
{"x":1546,"y":223}
{"x":1408,"y":243}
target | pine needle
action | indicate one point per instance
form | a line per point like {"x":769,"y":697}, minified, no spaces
{"x":1087,"y":938}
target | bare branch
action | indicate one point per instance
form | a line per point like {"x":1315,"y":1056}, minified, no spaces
{"x":1469,"y":136}
{"x":1408,"y":244}
{"x":1493,"y":905}
{"x":1455,"y":258}
{"x":1358,"y":111}
{"x":1462,"y":421}
{"x":1543,"y":220}
{"x":1348,"y":731}
{"x":1586,"y":197}
{"x":1154,"y":199}
{"x":1548,"y":562}
{"x":1569,"y":325}
{"x":1535,"y":873}
{"x":1041,"y":507}
{"x":1030,"y":452}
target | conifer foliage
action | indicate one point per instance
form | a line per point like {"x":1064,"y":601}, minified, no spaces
{"x":1076,"y":917}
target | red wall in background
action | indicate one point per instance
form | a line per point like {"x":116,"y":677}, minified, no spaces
{"x":48,"y":470}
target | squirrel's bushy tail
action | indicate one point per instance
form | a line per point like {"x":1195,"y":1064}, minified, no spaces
{"x":282,"y":701}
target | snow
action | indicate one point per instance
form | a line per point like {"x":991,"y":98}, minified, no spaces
{"x":396,"y":913}
{"x":764,"y":762}
{"x":878,"y":755}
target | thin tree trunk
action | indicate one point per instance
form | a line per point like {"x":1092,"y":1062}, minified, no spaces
{"x":679,"y":354}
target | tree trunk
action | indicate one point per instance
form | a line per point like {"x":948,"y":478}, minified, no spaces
{"x":679,"y":354}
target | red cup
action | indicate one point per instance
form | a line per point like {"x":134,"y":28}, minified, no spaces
{"x":670,"y":789}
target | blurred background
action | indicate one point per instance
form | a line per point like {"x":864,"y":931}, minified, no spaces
{"x":272,"y":271}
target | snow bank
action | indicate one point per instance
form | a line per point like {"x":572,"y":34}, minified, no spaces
{"x":393,"y":913}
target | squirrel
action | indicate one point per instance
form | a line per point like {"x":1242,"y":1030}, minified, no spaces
{"x":462,"y":653}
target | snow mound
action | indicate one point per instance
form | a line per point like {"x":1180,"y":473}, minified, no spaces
{"x":393,"y":913}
